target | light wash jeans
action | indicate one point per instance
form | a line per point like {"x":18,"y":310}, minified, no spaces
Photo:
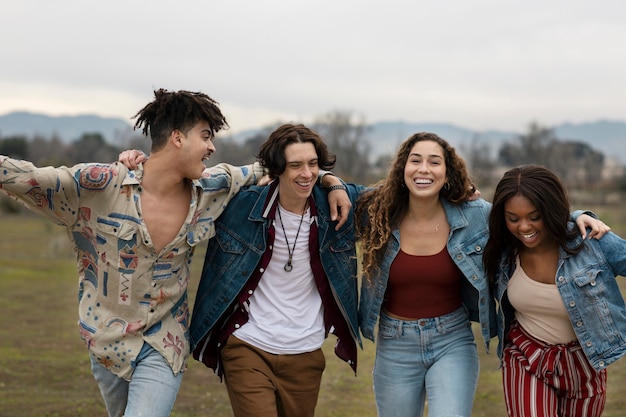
{"x":150,"y":393}
{"x":434,"y":359}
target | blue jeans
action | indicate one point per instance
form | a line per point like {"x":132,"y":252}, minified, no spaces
{"x":432,"y":359}
{"x":151,"y":391}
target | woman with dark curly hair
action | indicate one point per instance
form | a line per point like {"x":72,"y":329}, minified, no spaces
{"x":561,"y":316}
{"x":422,"y":238}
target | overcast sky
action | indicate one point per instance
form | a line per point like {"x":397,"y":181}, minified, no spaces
{"x":480,"y":64}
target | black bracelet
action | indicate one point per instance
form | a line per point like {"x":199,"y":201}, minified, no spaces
{"x":336,"y":187}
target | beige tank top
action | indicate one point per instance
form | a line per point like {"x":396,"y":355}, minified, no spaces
{"x":539,"y":308}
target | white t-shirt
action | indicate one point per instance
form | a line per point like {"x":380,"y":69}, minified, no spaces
{"x":286,"y":311}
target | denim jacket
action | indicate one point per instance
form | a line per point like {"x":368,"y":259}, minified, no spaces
{"x":236,"y":250}
{"x":468,"y":235}
{"x":587,"y":284}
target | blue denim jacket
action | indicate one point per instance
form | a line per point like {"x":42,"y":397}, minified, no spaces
{"x":587,"y":284}
{"x":468,"y":235}
{"x":236,"y":249}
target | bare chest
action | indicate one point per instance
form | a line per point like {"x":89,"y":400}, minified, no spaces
{"x":164,"y":218}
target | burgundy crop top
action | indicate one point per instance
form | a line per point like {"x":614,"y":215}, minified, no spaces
{"x":423,"y":286}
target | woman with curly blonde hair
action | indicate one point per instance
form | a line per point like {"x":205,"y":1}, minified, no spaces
{"x":422,"y":235}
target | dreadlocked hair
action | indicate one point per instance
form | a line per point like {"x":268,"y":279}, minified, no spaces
{"x":381,"y":208}
{"x":177,"y":110}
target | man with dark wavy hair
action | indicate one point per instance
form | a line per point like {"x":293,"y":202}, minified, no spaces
{"x":278,"y":278}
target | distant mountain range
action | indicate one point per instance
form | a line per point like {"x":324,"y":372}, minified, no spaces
{"x":608,"y":137}
{"x":66,"y":128}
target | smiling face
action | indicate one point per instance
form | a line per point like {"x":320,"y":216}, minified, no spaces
{"x":525,"y":223}
{"x":198,"y":147}
{"x":300,"y":174}
{"x":425,"y":169}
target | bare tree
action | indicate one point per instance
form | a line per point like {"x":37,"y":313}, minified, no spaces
{"x":14,"y":146}
{"x":530,"y":148}
{"x":345,"y":135}
{"x":92,"y":147}
{"x":230,"y":151}
{"x":481,"y":165}
{"x":48,"y":152}
{"x":575,"y":162}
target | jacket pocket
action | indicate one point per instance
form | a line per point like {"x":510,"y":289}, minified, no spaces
{"x":229,"y":244}
{"x":590,"y":287}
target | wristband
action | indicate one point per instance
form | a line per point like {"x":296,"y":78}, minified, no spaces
{"x":336,"y":187}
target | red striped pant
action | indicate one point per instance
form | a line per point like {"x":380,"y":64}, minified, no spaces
{"x":543,"y":380}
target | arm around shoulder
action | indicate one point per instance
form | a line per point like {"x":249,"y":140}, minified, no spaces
{"x":231,"y":176}
{"x":613,"y":247}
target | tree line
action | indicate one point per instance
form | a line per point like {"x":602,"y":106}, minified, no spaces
{"x":577,"y":163}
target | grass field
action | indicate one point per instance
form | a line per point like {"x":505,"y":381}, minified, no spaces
{"x":44,"y":368}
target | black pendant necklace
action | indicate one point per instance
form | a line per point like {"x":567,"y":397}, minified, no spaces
{"x":288,"y":266}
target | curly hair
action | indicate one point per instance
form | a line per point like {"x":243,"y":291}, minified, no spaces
{"x":547,"y":193}
{"x":177,"y":110}
{"x":380,"y":209}
{"x":272,"y":152}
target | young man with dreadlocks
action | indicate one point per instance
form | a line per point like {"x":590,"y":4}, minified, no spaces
{"x":134,"y":232}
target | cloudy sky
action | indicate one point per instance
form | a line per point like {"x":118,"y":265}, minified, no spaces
{"x":480,"y":64}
